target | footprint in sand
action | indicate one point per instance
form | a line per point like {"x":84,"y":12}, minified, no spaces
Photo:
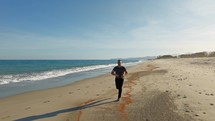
{"x":190,"y":84}
{"x":5,"y":117}
{"x":97,"y":94}
{"x":187,"y":111}
{"x":46,"y":101}
{"x":207,"y":94}
{"x":196,"y":115}
{"x":27,"y":108}
{"x":204,"y":112}
{"x":180,"y":79}
{"x":186,"y":105}
{"x":212,"y":94}
{"x":211,"y":104}
{"x":185,"y":96}
{"x":200,"y":92}
{"x":70,"y":92}
{"x":178,"y":95}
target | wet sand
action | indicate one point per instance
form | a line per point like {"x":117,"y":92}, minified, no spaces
{"x":156,"y":90}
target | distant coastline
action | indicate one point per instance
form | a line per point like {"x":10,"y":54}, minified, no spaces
{"x":190,"y":55}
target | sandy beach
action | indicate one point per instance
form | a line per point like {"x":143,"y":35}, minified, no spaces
{"x":156,"y":90}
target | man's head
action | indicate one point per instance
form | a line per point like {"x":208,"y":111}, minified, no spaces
{"x":119,"y":62}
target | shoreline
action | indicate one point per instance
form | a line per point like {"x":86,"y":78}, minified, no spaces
{"x":164,"y":89}
{"x":29,"y":86}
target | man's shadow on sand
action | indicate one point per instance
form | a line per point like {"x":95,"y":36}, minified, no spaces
{"x":51,"y":114}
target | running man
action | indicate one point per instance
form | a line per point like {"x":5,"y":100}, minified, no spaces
{"x":119,"y":72}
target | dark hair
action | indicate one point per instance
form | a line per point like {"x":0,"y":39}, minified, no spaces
{"x":119,"y":61}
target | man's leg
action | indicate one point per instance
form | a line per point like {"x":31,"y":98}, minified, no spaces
{"x":119,"y":92}
{"x":120,"y":88}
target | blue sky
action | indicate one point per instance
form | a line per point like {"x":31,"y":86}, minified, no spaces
{"x":102,"y":29}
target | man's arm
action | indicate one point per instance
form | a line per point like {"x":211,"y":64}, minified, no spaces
{"x":113,"y":72}
{"x":125,"y":72}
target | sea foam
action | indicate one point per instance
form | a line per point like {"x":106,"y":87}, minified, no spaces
{"x":13,"y":78}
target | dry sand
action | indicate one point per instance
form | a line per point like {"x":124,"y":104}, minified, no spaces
{"x":157,"y":90}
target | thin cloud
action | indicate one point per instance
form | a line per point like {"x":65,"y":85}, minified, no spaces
{"x":201,"y":7}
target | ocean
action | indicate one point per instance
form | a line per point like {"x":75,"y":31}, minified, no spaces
{"x":19,"y":76}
